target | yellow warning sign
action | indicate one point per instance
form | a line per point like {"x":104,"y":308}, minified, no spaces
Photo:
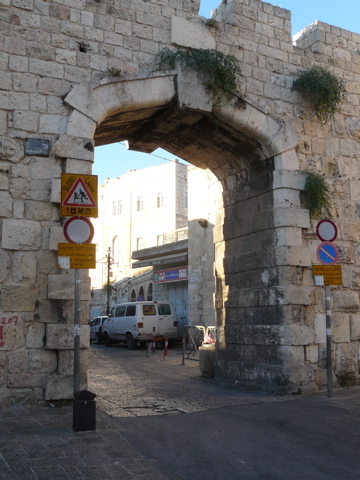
{"x":81,"y":256}
{"x":331,"y":274}
{"x":79,"y":195}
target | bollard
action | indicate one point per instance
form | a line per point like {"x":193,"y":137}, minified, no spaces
{"x":166,"y":348}
{"x":84,"y":411}
{"x":148,"y":349}
{"x":206,"y":360}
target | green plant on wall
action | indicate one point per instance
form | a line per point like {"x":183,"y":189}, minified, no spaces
{"x":324,"y":91}
{"x":316,"y":194}
{"x":220,"y":73}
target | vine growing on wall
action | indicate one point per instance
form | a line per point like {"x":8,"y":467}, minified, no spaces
{"x":316,"y":194}
{"x":324,"y":91}
{"x":220,"y":73}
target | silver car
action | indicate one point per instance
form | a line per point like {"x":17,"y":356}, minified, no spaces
{"x":96,"y":327}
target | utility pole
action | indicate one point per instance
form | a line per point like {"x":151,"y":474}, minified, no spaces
{"x":109,"y":261}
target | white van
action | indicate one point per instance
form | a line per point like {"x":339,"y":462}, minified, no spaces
{"x":139,"y":322}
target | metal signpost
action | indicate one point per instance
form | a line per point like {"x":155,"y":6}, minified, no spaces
{"x":78,"y":201}
{"x":327,"y":274}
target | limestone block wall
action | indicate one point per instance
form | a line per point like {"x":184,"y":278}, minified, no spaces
{"x":67,"y":66}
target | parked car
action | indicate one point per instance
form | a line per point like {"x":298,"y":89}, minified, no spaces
{"x":139,"y":322}
{"x":96,"y":329}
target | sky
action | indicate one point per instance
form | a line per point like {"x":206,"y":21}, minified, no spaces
{"x":114,"y":160}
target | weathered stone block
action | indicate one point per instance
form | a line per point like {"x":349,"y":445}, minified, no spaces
{"x":312,"y":353}
{"x":41,"y":211}
{"x":21,"y":235}
{"x":60,"y":387}
{"x":340,"y":328}
{"x":24,"y":270}
{"x":52,"y":124}
{"x":320,"y":328}
{"x":45,"y":169}
{"x":5,"y":264}
{"x":345,"y":301}
{"x":19,"y":298}
{"x":13,"y":333}
{"x":291,"y":217}
{"x":190,"y":34}
{"x":10,"y":149}
{"x":35,"y":336}
{"x":56,"y":236}
{"x":192,"y":92}
{"x":61,"y":336}
{"x":73,"y":165}
{"x":80,"y":125}
{"x":354,"y":327}
{"x":74,"y":147}
{"x":292,"y":355}
{"x":47,"y":311}
{"x":290,"y":255}
{"x":40,"y":361}
{"x":26,"y":380}
{"x":346,"y":358}
{"x":62,"y":287}
{"x":16,"y":361}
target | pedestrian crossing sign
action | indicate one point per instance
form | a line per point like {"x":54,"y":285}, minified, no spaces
{"x":79,"y":195}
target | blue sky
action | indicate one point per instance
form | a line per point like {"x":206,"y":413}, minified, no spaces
{"x":114,"y":160}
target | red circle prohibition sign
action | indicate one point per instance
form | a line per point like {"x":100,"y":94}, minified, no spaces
{"x":326,"y":230}
{"x":78,"y":230}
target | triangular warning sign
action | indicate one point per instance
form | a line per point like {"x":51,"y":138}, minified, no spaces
{"x":79,"y":196}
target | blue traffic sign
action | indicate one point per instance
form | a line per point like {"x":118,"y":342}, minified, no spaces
{"x":327,"y":253}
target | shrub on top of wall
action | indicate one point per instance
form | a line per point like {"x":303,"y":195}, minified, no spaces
{"x":324,"y":91}
{"x":220,"y":73}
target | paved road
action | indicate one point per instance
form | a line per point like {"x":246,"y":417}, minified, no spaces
{"x":160,"y":420}
{"x":196,"y":429}
{"x":130,"y":384}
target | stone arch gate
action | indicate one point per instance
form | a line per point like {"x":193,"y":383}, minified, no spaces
{"x":57,"y":92}
{"x":257,"y":305}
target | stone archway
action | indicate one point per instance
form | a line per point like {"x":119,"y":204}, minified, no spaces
{"x":259,"y":229}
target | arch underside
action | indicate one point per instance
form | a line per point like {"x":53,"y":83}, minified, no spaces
{"x":197,"y":137}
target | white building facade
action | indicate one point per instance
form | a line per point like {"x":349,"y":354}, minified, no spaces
{"x":140,"y":209}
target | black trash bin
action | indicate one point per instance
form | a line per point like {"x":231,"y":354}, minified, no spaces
{"x":84,"y":411}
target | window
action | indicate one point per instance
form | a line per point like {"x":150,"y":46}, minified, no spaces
{"x":141,"y":296}
{"x":139,"y":243}
{"x":120,"y":312}
{"x":150,"y":292}
{"x":117,"y":207}
{"x":131,"y":310}
{"x":149,"y":310}
{"x":140,"y":203}
{"x":116,"y":248}
{"x":160,"y":200}
{"x":133,"y":295}
{"x":164,"y":309}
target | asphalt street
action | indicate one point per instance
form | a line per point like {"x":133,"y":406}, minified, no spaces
{"x":196,"y":428}
{"x":157,"y":419}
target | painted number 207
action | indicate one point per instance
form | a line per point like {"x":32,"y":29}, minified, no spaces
{"x":9,"y":320}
